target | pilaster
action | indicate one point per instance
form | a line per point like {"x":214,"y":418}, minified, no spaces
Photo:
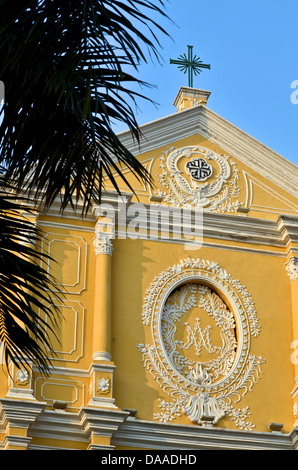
{"x":292,"y":270}
{"x":102,"y":301}
{"x":102,"y":367}
{"x":288,"y":228}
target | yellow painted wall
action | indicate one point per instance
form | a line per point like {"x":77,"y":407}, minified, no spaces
{"x":260,"y":267}
{"x":265,"y":278}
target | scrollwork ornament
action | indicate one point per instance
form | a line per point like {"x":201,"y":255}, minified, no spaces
{"x":202,"y":321}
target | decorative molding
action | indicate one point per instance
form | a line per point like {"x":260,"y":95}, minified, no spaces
{"x":15,"y":441}
{"x":101,"y":386}
{"x":251,"y":182}
{"x":200,"y":387}
{"x":20,"y":382}
{"x":22,"y":376}
{"x":76,"y":319}
{"x":71,"y":428}
{"x":101,"y":356}
{"x":164,"y":436}
{"x":79,"y":253}
{"x":49,"y":391}
{"x":279,"y":233}
{"x":223,"y":226}
{"x":101,"y":423}
{"x":288,"y":228}
{"x":65,"y":226}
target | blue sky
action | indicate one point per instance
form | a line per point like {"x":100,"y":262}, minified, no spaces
{"x":253,"y":51}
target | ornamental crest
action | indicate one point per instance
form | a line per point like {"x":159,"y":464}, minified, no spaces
{"x":199,"y":169}
{"x":198,"y":177}
{"x":201,"y":322}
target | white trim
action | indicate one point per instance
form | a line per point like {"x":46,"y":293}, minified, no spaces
{"x":82,"y":253}
{"x":278,"y":233}
{"x":250,"y":181}
{"x":141,"y":434}
{"x":63,"y":226}
{"x":161,"y":436}
{"x":229,"y":227}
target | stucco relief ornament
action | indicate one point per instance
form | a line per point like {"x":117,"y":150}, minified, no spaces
{"x":102,"y":242}
{"x":201,"y":322}
{"x":103,"y":385}
{"x":195,"y":176}
{"x":292,"y":268}
{"x":22,"y":376}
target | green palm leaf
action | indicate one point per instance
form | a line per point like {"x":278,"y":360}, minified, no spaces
{"x":25,"y":290}
{"x":65,"y":68}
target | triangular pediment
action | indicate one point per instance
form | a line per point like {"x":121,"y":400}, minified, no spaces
{"x":205,"y":122}
{"x":245,"y":176}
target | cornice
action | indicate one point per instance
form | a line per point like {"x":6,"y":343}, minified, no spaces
{"x":201,"y":120}
{"x":242,"y":229}
{"x":168,"y":436}
{"x":229,"y":227}
{"x":288,"y":227}
{"x":251,"y":231}
{"x":19,"y":413}
{"x":131,"y":432}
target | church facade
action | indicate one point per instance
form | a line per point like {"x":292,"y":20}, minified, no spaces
{"x":180,"y":317}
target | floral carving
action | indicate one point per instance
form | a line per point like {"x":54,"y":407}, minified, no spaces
{"x":22,"y":376}
{"x":200,"y":353}
{"x":103,"y":385}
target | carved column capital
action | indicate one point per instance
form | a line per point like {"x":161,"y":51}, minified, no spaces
{"x":292,"y":268}
{"x":102,"y":243}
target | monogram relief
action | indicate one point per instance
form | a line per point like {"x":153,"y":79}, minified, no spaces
{"x":202,"y":322}
{"x":202,"y":349}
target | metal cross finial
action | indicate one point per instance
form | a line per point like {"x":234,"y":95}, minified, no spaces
{"x":191,"y":64}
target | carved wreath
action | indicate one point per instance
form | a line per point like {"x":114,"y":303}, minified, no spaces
{"x":203,"y":387}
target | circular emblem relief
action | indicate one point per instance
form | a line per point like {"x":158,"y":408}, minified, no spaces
{"x":201,"y":321}
{"x":199,"y":169}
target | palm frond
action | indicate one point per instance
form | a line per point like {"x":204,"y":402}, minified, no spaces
{"x":66,"y":70}
{"x":26,"y":290}
{"x":65,"y":66}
